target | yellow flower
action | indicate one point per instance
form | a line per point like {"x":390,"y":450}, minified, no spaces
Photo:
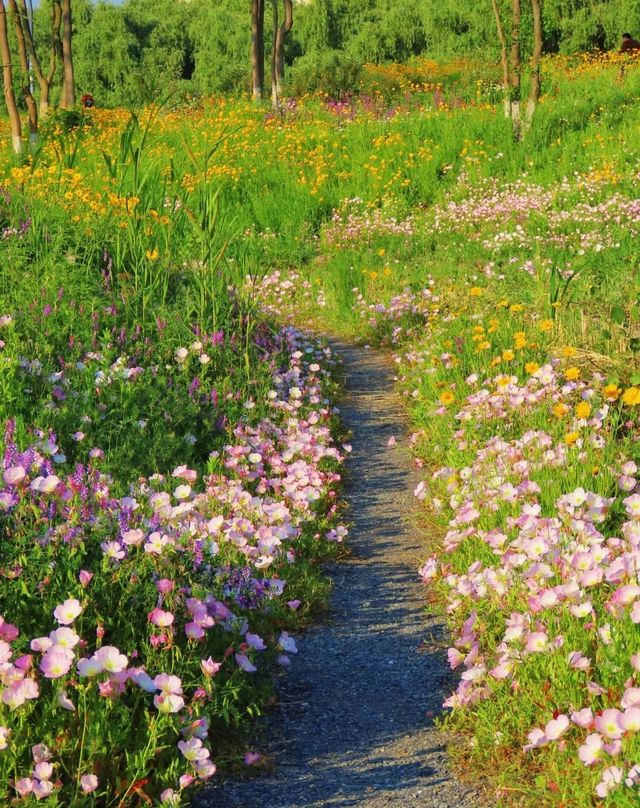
{"x":475,"y":291}
{"x":546,"y":325}
{"x":516,"y":307}
{"x":483,"y":346}
{"x":560,"y":410}
{"x":568,"y":351}
{"x":520,"y":342}
{"x":583,"y":410}
{"x":571,"y":437}
{"x":631,"y":396}
{"x":447,"y":398}
{"x":381,"y":252}
{"x":495,"y":361}
{"x":571,"y":374}
{"x":532,"y":367}
{"x":152,"y":255}
{"x":508,"y":355}
{"x":502,"y":304}
{"x":611,"y":392}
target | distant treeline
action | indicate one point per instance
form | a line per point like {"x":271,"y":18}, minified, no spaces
{"x":130,"y":53}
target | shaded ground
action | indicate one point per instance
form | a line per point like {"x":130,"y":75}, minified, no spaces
{"x":352,"y":726}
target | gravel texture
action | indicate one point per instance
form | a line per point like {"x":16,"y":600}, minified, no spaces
{"x":352,"y":726}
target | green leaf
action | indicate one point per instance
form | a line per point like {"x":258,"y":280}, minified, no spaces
{"x":617,"y":315}
{"x":635,"y":379}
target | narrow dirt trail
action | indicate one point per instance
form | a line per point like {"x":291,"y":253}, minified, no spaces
{"x":352,"y":726}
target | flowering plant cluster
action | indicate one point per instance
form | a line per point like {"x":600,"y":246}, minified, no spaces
{"x":137,"y":625}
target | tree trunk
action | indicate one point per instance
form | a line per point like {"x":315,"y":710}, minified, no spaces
{"x":275,"y":95}
{"x":283,"y":31}
{"x":516,"y":65}
{"x":29,"y":100}
{"x":504,"y":59}
{"x":257,"y":48}
{"x":534,"y":90}
{"x":44,"y":82}
{"x":68,"y":88}
{"x":7,"y":78}
{"x":55,"y":55}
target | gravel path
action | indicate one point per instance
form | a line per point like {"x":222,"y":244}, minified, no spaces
{"x":352,"y":726}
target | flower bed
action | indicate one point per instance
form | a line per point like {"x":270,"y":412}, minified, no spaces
{"x":138,"y":627}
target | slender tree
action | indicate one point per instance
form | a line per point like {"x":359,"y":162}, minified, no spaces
{"x":7,"y":78}
{"x":534,"y":89}
{"x":45,"y":80}
{"x":25,"y":72}
{"x":257,"y":48}
{"x":281,"y":32}
{"x":68,"y":86}
{"x":512,"y":65}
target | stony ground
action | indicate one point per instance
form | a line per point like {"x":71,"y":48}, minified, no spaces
{"x":353,"y":724}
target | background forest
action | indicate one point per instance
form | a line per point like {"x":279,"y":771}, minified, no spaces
{"x":124,"y":54}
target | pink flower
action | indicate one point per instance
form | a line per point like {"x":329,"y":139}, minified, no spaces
{"x":89,"y":783}
{"x":193,"y":749}
{"x":85,"y":577}
{"x":251,"y":758}
{"x":110,"y":659}
{"x":592,"y":749}
{"x":40,"y":644}
{"x":64,"y":637}
{"x":629,"y":721}
{"x":56,"y":662}
{"x":164,"y":586}
{"x":13,"y":475}
{"x":4,"y":737}
{"x":24,"y":786}
{"x":43,"y":770}
{"x":608,"y":723}
{"x":583,"y":718}
{"x":287,"y":643}
{"x":160,"y":618}
{"x":556,"y":727}
{"x":194,"y":631}
{"x":255,"y":641}
{"x":209,"y":667}
{"x":168,"y":683}
{"x":536,"y":738}
{"x":67,"y":612}
{"x":65,"y":702}
{"x":133,"y":538}
{"x":537,"y":642}
{"x":244,"y":662}
{"x":112,"y":549}
{"x":168,"y":703}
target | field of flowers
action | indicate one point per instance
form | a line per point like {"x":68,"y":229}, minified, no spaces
{"x":171,"y":459}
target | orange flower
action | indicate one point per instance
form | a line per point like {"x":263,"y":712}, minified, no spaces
{"x":631,"y":396}
{"x":583,"y":410}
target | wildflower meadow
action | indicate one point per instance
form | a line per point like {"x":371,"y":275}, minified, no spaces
{"x":172,"y":454}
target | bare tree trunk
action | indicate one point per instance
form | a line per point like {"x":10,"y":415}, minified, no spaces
{"x":55,"y":56}
{"x":534,"y":90}
{"x":29,"y":100}
{"x":7,"y":78}
{"x":257,"y":48}
{"x":68,"y":88}
{"x":504,"y":59}
{"x":275,"y":95}
{"x":44,"y":82}
{"x":283,"y":31}
{"x":516,"y":65}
